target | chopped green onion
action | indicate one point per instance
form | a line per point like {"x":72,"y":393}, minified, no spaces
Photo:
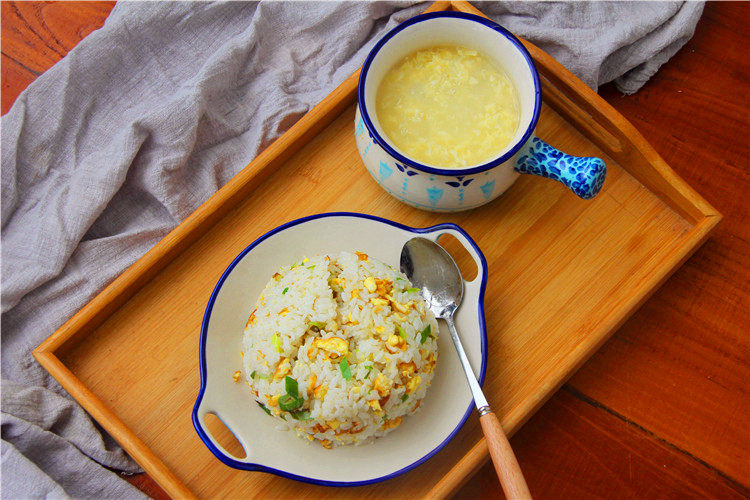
{"x":399,"y":279}
{"x":311,"y":267}
{"x":288,"y":402}
{"x":409,"y":290}
{"x":318,"y":324}
{"x":369,"y":369}
{"x":252,"y":375}
{"x":301,"y":415}
{"x":346,"y":372}
{"x":285,"y":290}
{"x":263,"y":407}
{"x":401,"y":332}
{"x":276,"y":341}
{"x":292,"y":388}
{"x":427,"y":332}
{"x":404,"y":397}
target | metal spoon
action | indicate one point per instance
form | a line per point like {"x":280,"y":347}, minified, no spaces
{"x":432,"y":269}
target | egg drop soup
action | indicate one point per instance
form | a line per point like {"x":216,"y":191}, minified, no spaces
{"x":448,"y":107}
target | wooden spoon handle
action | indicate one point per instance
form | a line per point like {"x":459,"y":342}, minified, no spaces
{"x":507,"y":468}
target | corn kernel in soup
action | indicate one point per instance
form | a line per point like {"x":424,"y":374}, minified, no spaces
{"x":449,"y":107}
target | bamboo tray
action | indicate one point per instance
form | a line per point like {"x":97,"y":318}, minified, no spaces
{"x":563,"y":275}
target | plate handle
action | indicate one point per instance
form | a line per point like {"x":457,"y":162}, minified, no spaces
{"x":199,"y":421}
{"x":470,"y":247}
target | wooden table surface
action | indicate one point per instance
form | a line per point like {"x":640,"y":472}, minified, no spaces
{"x":663,"y":408}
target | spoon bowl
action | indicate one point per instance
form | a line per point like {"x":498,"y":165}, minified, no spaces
{"x":434,"y":271}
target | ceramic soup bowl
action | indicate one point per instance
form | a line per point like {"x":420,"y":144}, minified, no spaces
{"x":449,"y":190}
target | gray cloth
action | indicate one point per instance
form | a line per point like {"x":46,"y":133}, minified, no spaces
{"x":140,"y":123}
{"x":50,"y":445}
{"x":601,"y":42}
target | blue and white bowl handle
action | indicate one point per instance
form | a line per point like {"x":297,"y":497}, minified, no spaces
{"x":583,"y":175}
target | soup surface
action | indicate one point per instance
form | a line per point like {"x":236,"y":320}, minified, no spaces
{"x":449,"y":107}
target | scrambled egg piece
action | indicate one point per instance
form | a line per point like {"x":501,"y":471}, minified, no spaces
{"x":283,"y":369}
{"x":407,"y":369}
{"x":370,"y":284}
{"x":430,"y":365}
{"x":396,"y":341}
{"x":375,"y":405}
{"x":382,"y":385}
{"x":335,"y":346}
{"x":402,"y":308}
{"x":320,"y":391}
{"x":412,"y":384}
{"x":312,"y":351}
{"x":383,"y":287}
{"x":338,"y":284}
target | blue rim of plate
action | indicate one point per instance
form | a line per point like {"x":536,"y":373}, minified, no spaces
{"x":207,"y":316}
{"x":378,"y":139}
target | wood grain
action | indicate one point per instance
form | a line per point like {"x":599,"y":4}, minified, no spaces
{"x":711,"y":68}
{"x":574,"y":449}
{"x":35,"y":35}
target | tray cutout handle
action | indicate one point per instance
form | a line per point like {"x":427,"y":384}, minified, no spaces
{"x":221,"y":435}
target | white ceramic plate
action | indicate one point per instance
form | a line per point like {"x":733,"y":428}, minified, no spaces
{"x":444,"y":409}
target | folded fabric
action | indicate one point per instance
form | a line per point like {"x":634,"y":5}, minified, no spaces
{"x":52,"y":450}
{"x":147,"y":117}
{"x":601,"y":42}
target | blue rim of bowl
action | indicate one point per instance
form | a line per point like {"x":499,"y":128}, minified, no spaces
{"x":204,"y":329}
{"x":445,"y":171}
